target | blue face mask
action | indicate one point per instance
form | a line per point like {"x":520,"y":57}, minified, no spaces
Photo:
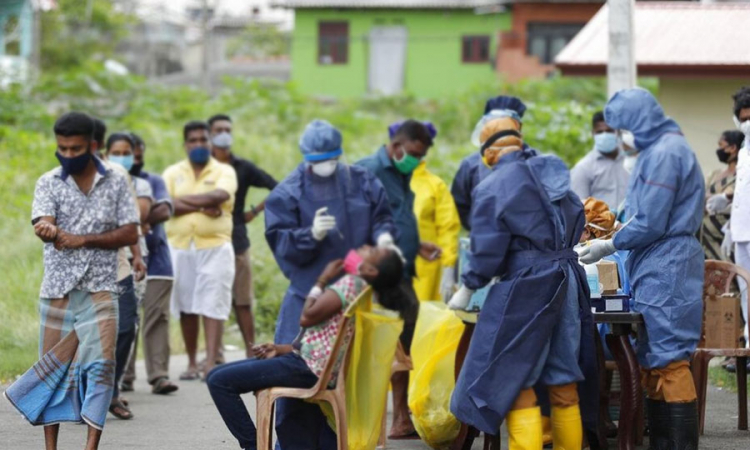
{"x":74,"y":165}
{"x":199,"y":155}
{"x":605,"y":143}
{"x":125,"y":161}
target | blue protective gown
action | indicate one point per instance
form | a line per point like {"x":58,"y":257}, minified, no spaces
{"x":471,"y":171}
{"x":665,"y":201}
{"x":359,"y":203}
{"x":525,"y":222}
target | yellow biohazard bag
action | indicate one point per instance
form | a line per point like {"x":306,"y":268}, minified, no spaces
{"x":368,"y":373}
{"x":433,"y":354}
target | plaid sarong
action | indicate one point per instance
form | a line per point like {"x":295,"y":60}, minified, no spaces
{"x":74,"y":377}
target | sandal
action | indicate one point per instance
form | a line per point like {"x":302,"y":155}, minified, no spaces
{"x":163,"y":386}
{"x":190,"y":375}
{"x":117,"y":409}
{"x":126,"y":386}
{"x":413,"y":436}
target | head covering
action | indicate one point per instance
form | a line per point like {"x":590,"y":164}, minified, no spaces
{"x":505,"y":102}
{"x":600,"y":221}
{"x":393,"y":128}
{"x":500,"y":137}
{"x":222,"y":140}
{"x":637,"y":111}
{"x":320,"y":141}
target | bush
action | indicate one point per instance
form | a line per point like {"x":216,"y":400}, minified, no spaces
{"x":268,"y":119}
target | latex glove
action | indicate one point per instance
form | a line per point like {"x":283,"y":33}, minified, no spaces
{"x":727,"y":244}
{"x":596,"y":250}
{"x":385,"y":240}
{"x":717,"y":203}
{"x":322,"y":224}
{"x":448,"y":283}
{"x":461,"y":299}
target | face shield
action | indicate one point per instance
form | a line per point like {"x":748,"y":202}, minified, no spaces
{"x":492,"y":115}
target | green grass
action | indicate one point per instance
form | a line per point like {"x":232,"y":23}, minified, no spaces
{"x":268,"y":119}
{"x":722,"y":379}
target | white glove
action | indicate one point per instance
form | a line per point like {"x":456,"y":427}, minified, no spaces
{"x":727,"y":244}
{"x":385,"y":240}
{"x":596,"y":250}
{"x":717,"y":203}
{"x":322,"y":224}
{"x":461,"y":299}
{"x":448,"y":283}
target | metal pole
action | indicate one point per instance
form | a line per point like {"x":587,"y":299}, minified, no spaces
{"x":621,"y":66}
{"x":205,"y":75}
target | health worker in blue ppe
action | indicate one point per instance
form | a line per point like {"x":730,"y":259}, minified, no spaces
{"x":472,"y":170}
{"x":525,"y":222}
{"x":317,"y":214}
{"x":665,"y":208}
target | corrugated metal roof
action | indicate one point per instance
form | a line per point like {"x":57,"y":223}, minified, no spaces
{"x":395,"y":4}
{"x":668,"y":36}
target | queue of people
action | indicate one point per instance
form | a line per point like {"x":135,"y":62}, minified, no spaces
{"x":117,"y":236}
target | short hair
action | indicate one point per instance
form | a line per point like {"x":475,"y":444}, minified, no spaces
{"x":100,"y":130}
{"x":414,"y":130}
{"x":139,"y":142}
{"x":597,"y":118}
{"x":217,"y":117}
{"x":741,"y":100}
{"x":74,"y":124}
{"x":734,"y":137}
{"x":192,"y":126}
{"x":116,"y":137}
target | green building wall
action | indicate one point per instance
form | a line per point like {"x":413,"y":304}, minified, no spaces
{"x":433,"y":53}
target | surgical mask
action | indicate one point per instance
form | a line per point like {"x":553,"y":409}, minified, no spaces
{"x":199,"y":155}
{"x":352,"y":262}
{"x":407,"y":163}
{"x":136,"y":169}
{"x":125,"y":161}
{"x":222,"y":140}
{"x":76,"y":164}
{"x":722,"y":155}
{"x":605,"y":143}
{"x":325,"y":168}
{"x":742,"y":126}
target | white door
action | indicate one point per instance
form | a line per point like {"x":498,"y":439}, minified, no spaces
{"x":387,"y":59}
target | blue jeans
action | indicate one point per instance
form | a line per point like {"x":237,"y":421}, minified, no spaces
{"x":227,"y":381}
{"x":126,"y":328}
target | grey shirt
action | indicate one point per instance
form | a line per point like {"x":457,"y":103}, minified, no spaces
{"x":108,"y":206}
{"x":601,"y":177}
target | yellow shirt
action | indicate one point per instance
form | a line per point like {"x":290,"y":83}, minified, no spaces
{"x":202,"y":230}
{"x":438,"y":223}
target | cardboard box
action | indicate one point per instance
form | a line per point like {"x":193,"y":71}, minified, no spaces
{"x":609,"y":278}
{"x":722,"y":321}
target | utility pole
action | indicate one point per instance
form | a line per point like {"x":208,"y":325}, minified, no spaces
{"x":621,"y":66}
{"x":205,"y":42}
{"x":36,"y":49}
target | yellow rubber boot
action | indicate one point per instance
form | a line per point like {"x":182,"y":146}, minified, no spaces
{"x":525,"y":429}
{"x":546,"y":430}
{"x":567,"y":429}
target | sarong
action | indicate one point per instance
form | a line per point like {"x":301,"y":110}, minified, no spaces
{"x":74,"y":377}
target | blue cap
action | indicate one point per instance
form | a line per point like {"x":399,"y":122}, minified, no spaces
{"x":505,"y":102}
{"x":320,"y":141}
{"x":394,"y":127}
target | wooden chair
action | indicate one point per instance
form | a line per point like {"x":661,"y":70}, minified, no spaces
{"x":720,"y":275}
{"x":401,"y":363}
{"x":336,"y":396}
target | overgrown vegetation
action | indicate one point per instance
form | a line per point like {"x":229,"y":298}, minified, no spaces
{"x":268,"y":119}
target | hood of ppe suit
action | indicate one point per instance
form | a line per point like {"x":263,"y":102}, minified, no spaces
{"x":505,"y":102}
{"x":554,"y":175}
{"x":320,"y":141}
{"x":637,"y":111}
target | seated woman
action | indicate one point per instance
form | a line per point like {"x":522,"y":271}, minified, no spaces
{"x":299,"y":365}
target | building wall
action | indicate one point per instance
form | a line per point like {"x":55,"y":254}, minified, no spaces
{"x":433,"y":60}
{"x":703,"y":108}
{"x":512,"y":60}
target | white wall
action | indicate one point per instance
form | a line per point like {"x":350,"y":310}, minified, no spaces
{"x":703,"y":109}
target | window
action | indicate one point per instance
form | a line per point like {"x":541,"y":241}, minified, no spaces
{"x":546,"y":40}
{"x":333,"y":42}
{"x":475,"y":49}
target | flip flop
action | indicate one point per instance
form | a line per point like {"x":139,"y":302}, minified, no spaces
{"x":190,"y":375}
{"x":413,"y":436}
{"x":163,"y":387}
{"x":120,"y":411}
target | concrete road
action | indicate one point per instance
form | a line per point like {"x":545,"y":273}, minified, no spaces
{"x":187,"y":420}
